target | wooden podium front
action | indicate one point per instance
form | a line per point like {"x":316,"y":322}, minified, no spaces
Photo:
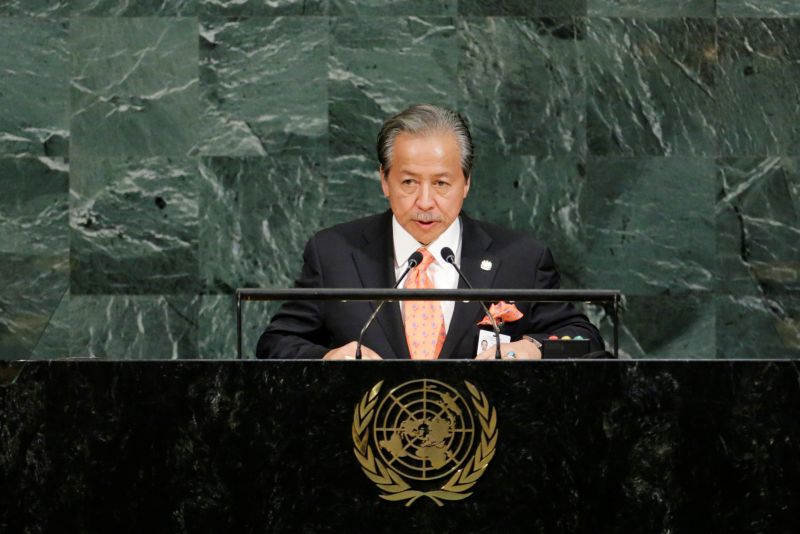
{"x":253,"y":446}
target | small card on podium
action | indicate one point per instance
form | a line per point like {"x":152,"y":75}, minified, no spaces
{"x":486,"y":340}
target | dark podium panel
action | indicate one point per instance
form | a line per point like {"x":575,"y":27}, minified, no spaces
{"x":212,"y":446}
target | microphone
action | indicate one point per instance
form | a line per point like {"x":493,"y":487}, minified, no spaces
{"x":450,"y":257}
{"x":413,"y":260}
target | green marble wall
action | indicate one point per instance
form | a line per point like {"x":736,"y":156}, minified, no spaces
{"x":156,"y":155}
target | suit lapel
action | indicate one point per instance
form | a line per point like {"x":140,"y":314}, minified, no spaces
{"x":474,"y":245}
{"x":374,"y":263}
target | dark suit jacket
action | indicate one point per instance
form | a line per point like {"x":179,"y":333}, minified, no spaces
{"x":360,"y":254}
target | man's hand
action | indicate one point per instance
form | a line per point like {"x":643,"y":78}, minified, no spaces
{"x":348,"y":352}
{"x":518,"y":350}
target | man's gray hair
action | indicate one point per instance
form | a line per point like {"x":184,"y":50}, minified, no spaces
{"x":422,"y":119}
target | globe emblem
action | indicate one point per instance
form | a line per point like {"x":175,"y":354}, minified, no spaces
{"x":423,"y":429}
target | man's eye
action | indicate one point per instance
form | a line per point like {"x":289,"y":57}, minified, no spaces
{"x":441,"y":184}
{"x":408,"y":181}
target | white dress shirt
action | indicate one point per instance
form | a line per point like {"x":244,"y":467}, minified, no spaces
{"x":443,"y":275}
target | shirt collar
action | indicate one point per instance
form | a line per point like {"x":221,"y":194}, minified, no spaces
{"x":405,"y":244}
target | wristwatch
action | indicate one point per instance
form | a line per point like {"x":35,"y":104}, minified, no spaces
{"x":532,"y":340}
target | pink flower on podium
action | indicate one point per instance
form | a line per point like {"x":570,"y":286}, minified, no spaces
{"x":503,"y":312}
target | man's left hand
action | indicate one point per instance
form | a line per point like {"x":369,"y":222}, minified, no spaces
{"x":518,"y":350}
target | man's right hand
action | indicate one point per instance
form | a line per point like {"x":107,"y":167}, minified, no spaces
{"x":348,"y":352}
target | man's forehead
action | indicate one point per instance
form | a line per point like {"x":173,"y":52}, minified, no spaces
{"x":428,"y":138}
{"x":436,"y":153}
{"x":418,"y":169}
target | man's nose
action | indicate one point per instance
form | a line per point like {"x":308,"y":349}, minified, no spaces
{"x":425,"y":197}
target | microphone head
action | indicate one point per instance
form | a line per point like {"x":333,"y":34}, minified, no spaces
{"x":415,"y":259}
{"x":448,"y":255}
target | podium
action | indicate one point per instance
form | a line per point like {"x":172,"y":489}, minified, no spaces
{"x":254,"y":446}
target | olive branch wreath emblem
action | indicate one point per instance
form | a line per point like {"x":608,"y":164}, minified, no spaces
{"x":395,"y":487}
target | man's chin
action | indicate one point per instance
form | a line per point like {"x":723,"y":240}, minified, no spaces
{"x":425,"y":233}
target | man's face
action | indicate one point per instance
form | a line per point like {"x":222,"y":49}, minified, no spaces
{"x":425,"y":184}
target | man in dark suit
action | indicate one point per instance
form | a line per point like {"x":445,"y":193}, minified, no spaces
{"x":425,"y":154}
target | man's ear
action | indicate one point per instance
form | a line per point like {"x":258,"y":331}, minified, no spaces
{"x":466,"y":188}
{"x":384,"y":182}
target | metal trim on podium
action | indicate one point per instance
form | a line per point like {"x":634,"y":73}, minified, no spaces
{"x":612,"y":296}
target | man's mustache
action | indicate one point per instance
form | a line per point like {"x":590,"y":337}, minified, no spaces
{"x":427,"y":217}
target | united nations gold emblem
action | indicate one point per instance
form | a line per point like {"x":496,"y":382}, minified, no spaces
{"x":425,"y":438}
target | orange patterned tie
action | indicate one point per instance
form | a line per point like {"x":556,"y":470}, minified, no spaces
{"x":424,"y":319}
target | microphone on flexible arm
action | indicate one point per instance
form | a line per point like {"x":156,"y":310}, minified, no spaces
{"x":450,"y":257}
{"x":413,"y":260}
